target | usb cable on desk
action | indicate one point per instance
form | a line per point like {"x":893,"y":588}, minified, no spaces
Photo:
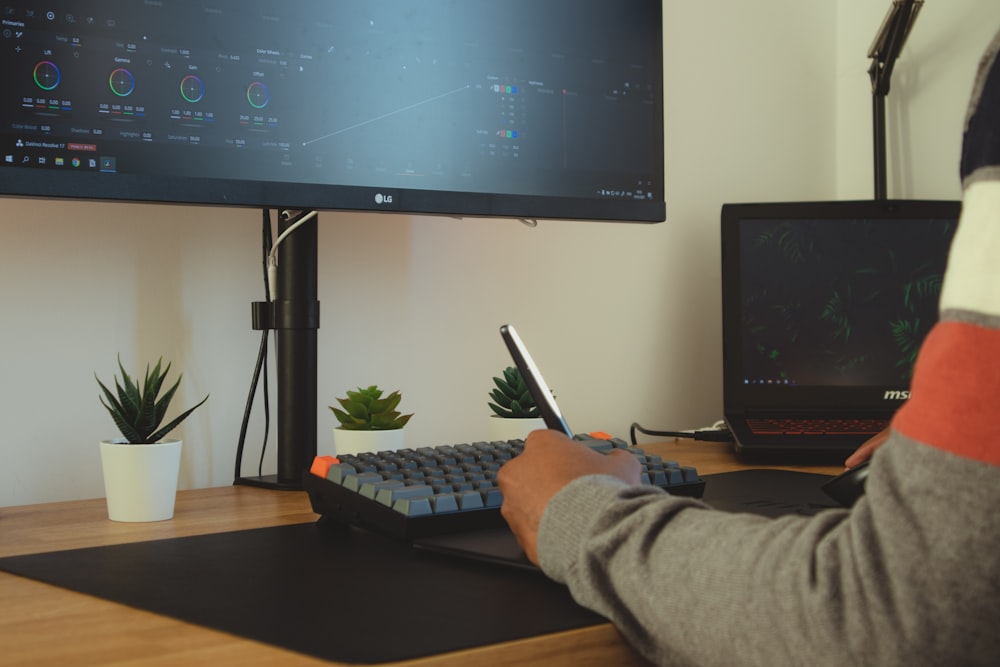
{"x":717,"y":433}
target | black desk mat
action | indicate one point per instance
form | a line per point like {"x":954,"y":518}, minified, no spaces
{"x":350,"y":595}
{"x":333,"y":592}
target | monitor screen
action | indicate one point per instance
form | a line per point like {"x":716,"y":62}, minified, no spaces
{"x":522,"y":108}
{"x":830,"y":299}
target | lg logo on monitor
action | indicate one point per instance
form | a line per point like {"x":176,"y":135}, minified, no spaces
{"x":381,"y":199}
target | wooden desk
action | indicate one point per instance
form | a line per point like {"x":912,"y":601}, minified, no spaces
{"x":45,"y":625}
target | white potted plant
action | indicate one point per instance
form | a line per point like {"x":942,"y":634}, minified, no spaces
{"x":141,"y":468}
{"x":515,"y":414}
{"x":369,"y":422}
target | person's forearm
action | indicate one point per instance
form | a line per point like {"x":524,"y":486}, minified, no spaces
{"x":689,"y":586}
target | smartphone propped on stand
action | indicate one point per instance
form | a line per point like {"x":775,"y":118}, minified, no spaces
{"x":533,"y":379}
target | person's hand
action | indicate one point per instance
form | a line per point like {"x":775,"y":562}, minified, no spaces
{"x":549,"y":462}
{"x":867,"y":448}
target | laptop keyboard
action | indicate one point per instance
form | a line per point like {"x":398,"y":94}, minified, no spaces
{"x":445,"y":489}
{"x":840,"y":426}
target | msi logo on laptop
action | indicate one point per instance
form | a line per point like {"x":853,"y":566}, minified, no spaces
{"x":896,"y":394}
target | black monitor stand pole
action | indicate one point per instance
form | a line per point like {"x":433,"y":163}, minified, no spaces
{"x":294,"y":315}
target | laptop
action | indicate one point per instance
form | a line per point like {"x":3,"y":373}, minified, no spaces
{"x":824,"y":307}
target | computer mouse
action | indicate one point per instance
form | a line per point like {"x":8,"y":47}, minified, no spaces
{"x":848,"y":486}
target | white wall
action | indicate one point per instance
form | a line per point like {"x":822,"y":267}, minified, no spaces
{"x":765,"y":101}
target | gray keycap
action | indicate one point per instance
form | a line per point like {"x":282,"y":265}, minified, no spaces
{"x":388,"y":495}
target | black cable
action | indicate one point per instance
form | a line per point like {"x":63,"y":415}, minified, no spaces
{"x":705,"y":434}
{"x":262,"y":357}
{"x":267,"y":239}
{"x":267,"y":242}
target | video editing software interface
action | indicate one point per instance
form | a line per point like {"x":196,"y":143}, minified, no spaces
{"x":838,"y":302}
{"x":522,"y":96}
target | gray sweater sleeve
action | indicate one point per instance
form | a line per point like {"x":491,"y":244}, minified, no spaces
{"x":909,"y":576}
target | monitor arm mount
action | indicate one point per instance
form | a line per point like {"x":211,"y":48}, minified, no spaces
{"x":884,"y":50}
{"x":293,"y":313}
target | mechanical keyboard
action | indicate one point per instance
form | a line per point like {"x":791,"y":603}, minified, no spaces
{"x":412,"y":493}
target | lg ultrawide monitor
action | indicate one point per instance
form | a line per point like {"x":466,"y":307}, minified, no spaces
{"x":523,"y":108}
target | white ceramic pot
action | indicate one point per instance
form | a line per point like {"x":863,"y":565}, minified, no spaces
{"x":140,"y":481}
{"x":354,"y":442}
{"x":514,"y":429}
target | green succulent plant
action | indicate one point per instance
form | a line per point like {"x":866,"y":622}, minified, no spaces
{"x":366,"y":410}
{"x":511,"y":398}
{"x":138,"y":410}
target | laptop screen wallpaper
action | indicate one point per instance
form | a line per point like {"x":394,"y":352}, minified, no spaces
{"x":838,"y":302}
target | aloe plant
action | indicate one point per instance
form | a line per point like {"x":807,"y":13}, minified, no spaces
{"x":367,"y":410}
{"x":138,"y":410}
{"x":511,"y":398}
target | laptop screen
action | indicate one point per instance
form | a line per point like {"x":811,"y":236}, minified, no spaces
{"x":827,"y":302}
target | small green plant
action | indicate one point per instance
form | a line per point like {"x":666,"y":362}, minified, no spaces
{"x":139,"y":410}
{"x":366,"y":410}
{"x":511,"y":398}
